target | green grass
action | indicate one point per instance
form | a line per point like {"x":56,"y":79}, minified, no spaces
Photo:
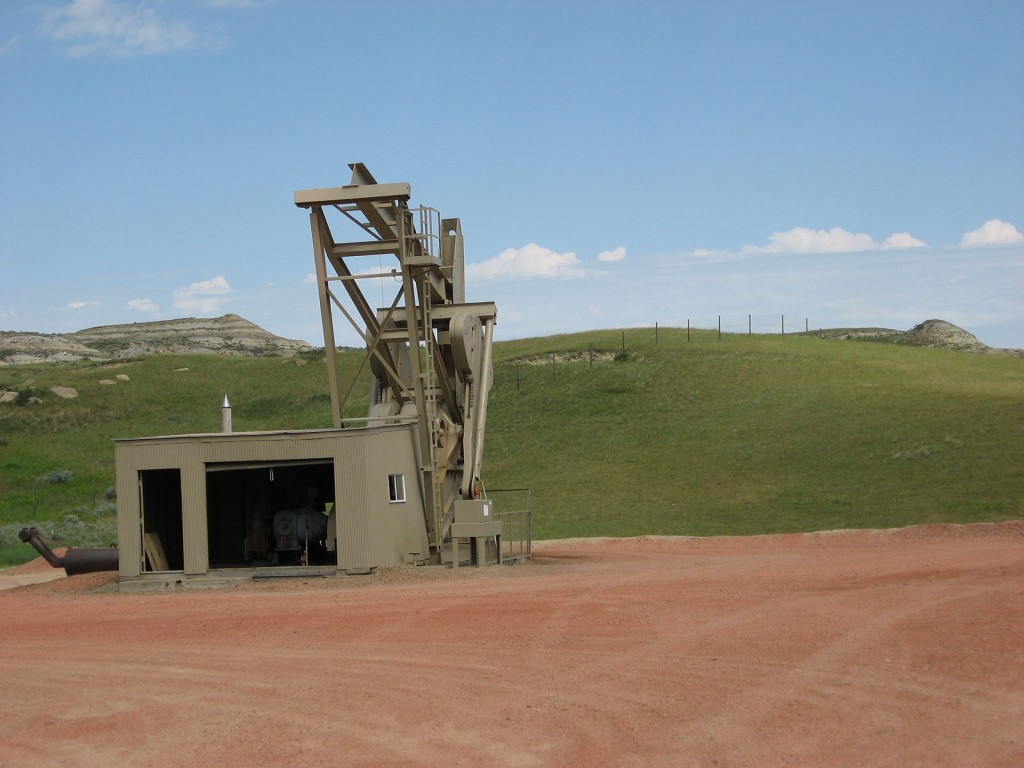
{"x":731,"y":435}
{"x":159,"y":399}
{"x":758,"y":434}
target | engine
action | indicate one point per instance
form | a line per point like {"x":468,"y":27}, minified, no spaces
{"x":294,"y":529}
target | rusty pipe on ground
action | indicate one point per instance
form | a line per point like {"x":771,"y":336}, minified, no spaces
{"x":76,"y":560}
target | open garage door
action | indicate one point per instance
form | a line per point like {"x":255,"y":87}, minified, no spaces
{"x":266,"y":514}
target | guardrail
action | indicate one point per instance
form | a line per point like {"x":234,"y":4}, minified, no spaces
{"x":512,"y":508}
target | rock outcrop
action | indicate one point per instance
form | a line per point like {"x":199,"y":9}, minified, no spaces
{"x":226,"y":335}
{"x":943,"y":335}
{"x":938,"y":334}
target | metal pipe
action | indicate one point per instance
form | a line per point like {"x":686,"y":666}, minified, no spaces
{"x":484,"y":386}
{"x":76,"y":560}
{"x":31,"y":536}
{"x":225,"y":415}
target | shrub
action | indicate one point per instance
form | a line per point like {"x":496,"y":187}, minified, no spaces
{"x":55,"y":477}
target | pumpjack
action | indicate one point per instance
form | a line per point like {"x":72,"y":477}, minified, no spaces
{"x":428,"y":351}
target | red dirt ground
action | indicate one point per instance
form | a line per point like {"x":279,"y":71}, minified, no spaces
{"x":868,"y":648}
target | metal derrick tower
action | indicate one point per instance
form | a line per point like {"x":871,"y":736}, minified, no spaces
{"x":429,"y":351}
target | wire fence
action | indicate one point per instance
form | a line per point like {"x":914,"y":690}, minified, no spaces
{"x":695,"y":329}
{"x":749,"y":324}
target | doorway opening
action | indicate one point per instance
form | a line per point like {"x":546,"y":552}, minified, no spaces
{"x":162,"y":538}
{"x":266,"y":514}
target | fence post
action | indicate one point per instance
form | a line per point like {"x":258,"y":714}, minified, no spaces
{"x":687,"y":329}
{"x":750,"y":326}
{"x":591,"y":355}
{"x":719,"y":326}
{"x":655,"y":331}
{"x":553,"y":373}
{"x":806,"y":325}
{"x":623,"y":342}
{"x":783,"y":325}
{"x":517,"y":376}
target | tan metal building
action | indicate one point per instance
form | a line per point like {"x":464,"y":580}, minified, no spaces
{"x":201,"y":504}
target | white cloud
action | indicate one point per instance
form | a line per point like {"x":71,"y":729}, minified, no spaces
{"x":309,"y":278}
{"x":7,"y":313}
{"x":8,"y":45}
{"x":114,"y":28}
{"x":806,"y":240}
{"x":992,"y":232}
{"x":899,"y":241}
{"x":143,"y":305}
{"x":81,"y":304}
{"x":531,"y":260}
{"x":203,"y":297}
{"x":616,"y":254}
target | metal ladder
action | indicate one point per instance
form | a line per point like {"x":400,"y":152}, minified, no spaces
{"x":423,"y":351}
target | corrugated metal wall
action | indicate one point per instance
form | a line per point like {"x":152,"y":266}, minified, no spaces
{"x":350,"y":478}
{"x":129,"y":521}
{"x":193,"y":517}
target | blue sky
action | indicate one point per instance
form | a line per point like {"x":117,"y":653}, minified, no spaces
{"x":614,"y":164}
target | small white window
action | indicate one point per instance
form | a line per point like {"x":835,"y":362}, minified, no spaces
{"x":396,"y":488}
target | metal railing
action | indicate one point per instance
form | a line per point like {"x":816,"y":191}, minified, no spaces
{"x":428,"y":230}
{"x":512,"y":508}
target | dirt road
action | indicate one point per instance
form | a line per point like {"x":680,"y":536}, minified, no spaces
{"x":872,"y":648}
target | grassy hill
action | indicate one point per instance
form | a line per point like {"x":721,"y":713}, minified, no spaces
{"x":731,"y":435}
